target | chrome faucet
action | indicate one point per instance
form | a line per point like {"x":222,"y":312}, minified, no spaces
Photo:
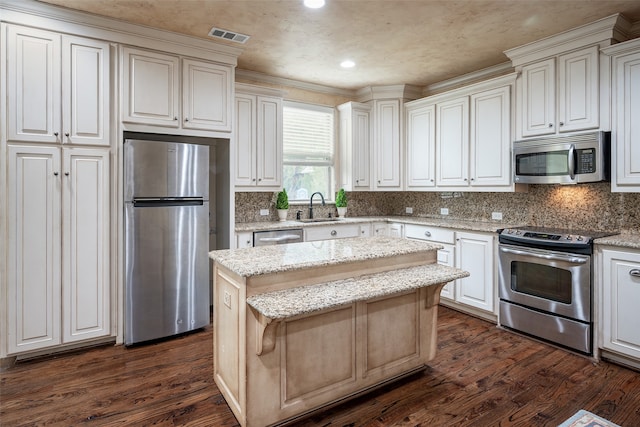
{"x":311,"y":203}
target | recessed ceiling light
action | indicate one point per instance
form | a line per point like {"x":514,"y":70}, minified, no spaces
{"x":314,"y":4}
{"x":347,"y":63}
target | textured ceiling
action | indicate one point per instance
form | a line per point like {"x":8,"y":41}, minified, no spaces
{"x":416,"y":42}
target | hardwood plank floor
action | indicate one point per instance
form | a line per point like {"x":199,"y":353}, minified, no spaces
{"x":481,"y":376}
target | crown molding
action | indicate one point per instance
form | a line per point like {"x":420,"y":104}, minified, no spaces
{"x":257,"y":77}
{"x":603,"y":32}
{"x":402,"y":91}
{"x":35,"y":14}
{"x":259,"y":90}
{"x":469,"y":78}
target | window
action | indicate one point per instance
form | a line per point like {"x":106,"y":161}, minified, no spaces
{"x":308,"y":150}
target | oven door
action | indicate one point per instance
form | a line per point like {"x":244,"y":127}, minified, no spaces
{"x":551,"y":281}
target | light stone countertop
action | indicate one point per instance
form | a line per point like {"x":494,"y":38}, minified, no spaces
{"x":307,"y":299}
{"x":261,"y":260}
{"x":483,"y":226}
{"x":623,"y":240}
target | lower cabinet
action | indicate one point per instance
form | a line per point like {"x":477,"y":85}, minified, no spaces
{"x":336,"y":231}
{"x":58,"y":251}
{"x":472,"y":252}
{"x":619,"y":293}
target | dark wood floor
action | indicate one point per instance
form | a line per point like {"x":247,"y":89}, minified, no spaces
{"x":481,"y":376}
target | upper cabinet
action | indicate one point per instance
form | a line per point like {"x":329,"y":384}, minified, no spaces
{"x":386,"y":142}
{"x":625,"y":135}
{"x":560,"y":94}
{"x":58,"y":87}
{"x":355,"y":146}
{"x":258,"y":139}
{"x":461,"y":140}
{"x":170,"y":91}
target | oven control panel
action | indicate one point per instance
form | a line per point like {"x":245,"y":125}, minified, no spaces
{"x":555,"y":238}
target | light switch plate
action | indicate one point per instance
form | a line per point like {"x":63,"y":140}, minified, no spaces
{"x":496,"y":215}
{"x":264,"y":212}
{"x":444,"y":211}
{"x":408,"y":210}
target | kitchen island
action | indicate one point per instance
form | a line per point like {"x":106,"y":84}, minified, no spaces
{"x":301,"y":326}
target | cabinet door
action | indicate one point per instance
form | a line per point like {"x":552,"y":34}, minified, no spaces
{"x":330,"y":232}
{"x":578,"y":90}
{"x":206,"y":96}
{"x":85,"y":243}
{"x":420,"y":147}
{"x":474,"y":253}
{"x":85,"y":91}
{"x":269,"y":141}
{"x":627,"y":125}
{"x":490,"y":133}
{"x":33,"y":267}
{"x":446,"y":256}
{"x":151,"y":88}
{"x":453,"y":143}
{"x":33,"y":85}
{"x":244,"y":240}
{"x":361,"y":149}
{"x":620,"y":296}
{"x":245,"y":139}
{"x":538,"y":108}
{"x":396,"y":230}
{"x":380,"y":229}
{"x":387,"y":141}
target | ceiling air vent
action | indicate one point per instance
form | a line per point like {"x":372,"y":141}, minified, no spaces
{"x":219,"y":33}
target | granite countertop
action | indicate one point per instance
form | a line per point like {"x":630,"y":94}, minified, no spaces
{"x":260,"y":260}
{"x":624,"y":240}
{"x":306,"y":299}
{"x":489,"y":227}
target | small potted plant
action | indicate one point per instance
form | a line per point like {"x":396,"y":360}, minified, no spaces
{"x":282,"y":205}
{"x":341,"y":203}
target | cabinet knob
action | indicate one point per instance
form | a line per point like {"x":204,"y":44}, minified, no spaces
{"x":427,"y":233}
{"x":175,"y":118}
{"x":186,"y":119}
{"x":55,"y":134}
{"x":465,"y":180}
{"x":66,"y":134}
{"x":431,"y":180}
{"x":550,"y":125}
{"x":66,"y":174}
{"x":334,"y":233}
{"x":561,"y":123}
{"x":473,"y":179}
{"x":635,"y":272}
{"x":259,"y":179}
{"x":55,"y":173}
{"x":254,"y":180}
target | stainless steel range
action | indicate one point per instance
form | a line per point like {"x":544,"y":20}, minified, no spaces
{"x":546,"y":284}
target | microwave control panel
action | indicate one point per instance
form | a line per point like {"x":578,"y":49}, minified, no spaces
{"x":586,"y":160}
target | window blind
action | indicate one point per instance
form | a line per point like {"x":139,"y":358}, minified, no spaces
{"x":308,"y":134}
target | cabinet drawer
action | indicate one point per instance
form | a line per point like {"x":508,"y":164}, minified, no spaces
{"x":432,"y":234}
{"x":331,"y":232}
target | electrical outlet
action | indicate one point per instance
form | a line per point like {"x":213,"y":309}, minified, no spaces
{"x":264,"y":212}
{"x":227,"y":299}
{"x":444,"y":211}
{"x":408,"y":210}
{"x":496,"y":215}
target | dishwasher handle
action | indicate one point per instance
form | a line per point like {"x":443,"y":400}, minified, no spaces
{"x":283,"y":238}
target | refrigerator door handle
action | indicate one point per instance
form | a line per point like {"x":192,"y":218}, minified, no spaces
{"x":149,"y":202}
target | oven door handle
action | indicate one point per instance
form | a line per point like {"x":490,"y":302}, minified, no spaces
{"x":554,"y":257}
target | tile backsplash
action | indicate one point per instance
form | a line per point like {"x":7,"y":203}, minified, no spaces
{"x":583,"y":206}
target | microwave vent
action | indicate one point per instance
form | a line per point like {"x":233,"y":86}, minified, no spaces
{"x":219,"y":33}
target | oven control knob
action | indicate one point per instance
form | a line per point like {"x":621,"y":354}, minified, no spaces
{"x":579,"y":238}
{"x":568,"y":238}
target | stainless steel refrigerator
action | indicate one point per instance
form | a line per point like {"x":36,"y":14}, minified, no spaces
{"x":166,"y":192}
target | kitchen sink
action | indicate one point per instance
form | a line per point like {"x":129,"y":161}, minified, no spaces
{"x":318,"y":220}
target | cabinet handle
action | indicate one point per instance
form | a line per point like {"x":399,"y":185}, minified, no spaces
{"x":635,"y":272}
{"x":427,"y":233}
{"x":334,"y":232}
{"x":550,"y":125}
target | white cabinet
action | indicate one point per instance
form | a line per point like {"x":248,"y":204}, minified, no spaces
{"x":58,"y":266}
{"x":334,"y":231}
{"x":153,"y":94}
{"x":560,"y":94}
{"x":355,"y":146}
{"x":475,"y":254}
{"x":625,"y":143}
{"x":387,"y":144}
{"x":58,"y":88}
{"x":396,"y":230}
{"x":420,"y":149}
{"x":380,"y":229}
{"x":244,"y":240}
{"x":258,"y":136}
{"x":452,"y":143}
{"x":620,"y":294}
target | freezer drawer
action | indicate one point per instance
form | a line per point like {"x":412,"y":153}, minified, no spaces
{"x":167,"y":271}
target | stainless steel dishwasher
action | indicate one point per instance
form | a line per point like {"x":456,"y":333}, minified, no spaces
{"x":277,"y":237}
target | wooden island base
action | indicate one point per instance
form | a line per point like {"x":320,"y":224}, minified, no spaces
{"x":290,"y":342}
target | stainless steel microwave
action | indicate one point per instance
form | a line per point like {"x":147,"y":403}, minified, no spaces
{"x":563,"y":159}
